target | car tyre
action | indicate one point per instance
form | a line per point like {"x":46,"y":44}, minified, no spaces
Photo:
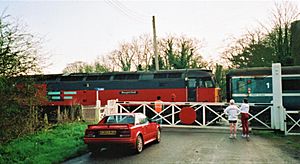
{"x":158,"y":136}
{"x":139,"y":144}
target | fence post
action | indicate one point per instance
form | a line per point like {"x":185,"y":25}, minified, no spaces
{"x":58,"y":114}
{"x":204,"y":115}
{"x":278,"y":111}
{"x":285,"y":125}
{"x":173,"y":118}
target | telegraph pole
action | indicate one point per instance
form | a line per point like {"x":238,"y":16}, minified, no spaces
{"x":155,"y":44}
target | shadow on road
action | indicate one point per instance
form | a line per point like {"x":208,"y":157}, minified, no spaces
{"x":115,"y":152}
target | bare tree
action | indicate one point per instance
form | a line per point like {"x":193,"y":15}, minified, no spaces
{"x":240,"y":52}
{"x":181,"y":52}
{"x":138,"y":54}
{"x":134,"y":55}
{"x":76,"y":67}
{"x":123,"y":57}
{"x":266,"y":44}
{"x":283,"y":15}
{"x":143,"y":49}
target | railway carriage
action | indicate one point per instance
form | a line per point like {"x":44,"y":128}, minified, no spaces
{"x":256,"y":85}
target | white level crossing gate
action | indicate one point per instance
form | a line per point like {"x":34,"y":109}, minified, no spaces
{"x":292,"y":122}
{"x":193,"y":114}
{"x":179,"y":114}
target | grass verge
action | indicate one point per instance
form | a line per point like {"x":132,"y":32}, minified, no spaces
{"x":289,"y":144}
{"x":53,"y":145}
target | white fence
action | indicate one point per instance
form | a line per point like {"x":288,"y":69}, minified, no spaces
{"x":292,"y":123}
{"x":208,"y":114}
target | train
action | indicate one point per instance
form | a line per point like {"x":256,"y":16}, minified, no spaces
{"x":256,"y":85}
{"x":182,"y":85}
{"x":64,"y":91}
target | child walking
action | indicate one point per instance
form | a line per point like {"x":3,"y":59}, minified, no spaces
{"x":232,"y":111}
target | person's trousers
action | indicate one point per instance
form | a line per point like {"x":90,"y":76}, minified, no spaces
{"x":245,"y":125}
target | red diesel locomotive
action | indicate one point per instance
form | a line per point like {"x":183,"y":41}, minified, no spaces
{"x":193,"y":85}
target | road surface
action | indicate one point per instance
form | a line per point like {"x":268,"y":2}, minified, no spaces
{"x":195,"y":146}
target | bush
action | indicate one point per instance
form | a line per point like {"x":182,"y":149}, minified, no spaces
{"x":49,"y":146}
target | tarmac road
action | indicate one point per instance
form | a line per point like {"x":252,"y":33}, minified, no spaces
{"x":195,"y":146}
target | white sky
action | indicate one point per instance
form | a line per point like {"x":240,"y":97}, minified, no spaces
{"x":84,"y":30}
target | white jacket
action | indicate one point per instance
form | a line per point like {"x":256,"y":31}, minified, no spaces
{"x":244,"y":108}
{"x":232,"y":111}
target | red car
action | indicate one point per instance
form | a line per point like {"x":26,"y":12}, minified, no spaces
{"x":131,"y":129}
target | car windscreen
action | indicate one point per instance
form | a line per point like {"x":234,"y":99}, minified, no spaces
{"x":120,"y":119}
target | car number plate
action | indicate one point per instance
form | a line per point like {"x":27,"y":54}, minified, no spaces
{"x":108,"y":132}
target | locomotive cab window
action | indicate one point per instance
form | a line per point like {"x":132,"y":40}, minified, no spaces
{"x":192,"y":83}
{"x":206,"y":83}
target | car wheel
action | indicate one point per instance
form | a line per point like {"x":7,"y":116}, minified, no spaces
{"x":139,"y":144}
{"x":158,"y":136}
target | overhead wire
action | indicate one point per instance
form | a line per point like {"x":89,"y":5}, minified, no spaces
{"x":137,"y":14}
{"x":141,"y":18}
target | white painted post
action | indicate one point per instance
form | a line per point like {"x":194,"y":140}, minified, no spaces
{"x":282,"y":118}
{"x":277,"y":114}
{"x":98,"y":102}
{"x":204,"y":115}
{"x":173,"y":113}
{"x":97,"y":99}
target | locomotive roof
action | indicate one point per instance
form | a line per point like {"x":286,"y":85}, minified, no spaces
{"x":141,"y":72}
{"x":127,"y":75}
{"x":263,"y":71}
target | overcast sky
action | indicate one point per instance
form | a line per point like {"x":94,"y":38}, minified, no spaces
{"x":84,"y":30}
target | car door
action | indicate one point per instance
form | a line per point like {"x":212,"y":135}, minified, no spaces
{"x":152,"y":129}
{"x":141,"y":126}
{"x":148,"y":126}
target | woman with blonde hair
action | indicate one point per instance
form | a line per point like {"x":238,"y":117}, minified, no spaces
{"x":232,"y":111}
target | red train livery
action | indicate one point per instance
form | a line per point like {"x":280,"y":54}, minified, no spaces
{"x":193,"y":85}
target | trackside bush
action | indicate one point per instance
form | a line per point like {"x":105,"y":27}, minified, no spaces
{"x":52,"y":146}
